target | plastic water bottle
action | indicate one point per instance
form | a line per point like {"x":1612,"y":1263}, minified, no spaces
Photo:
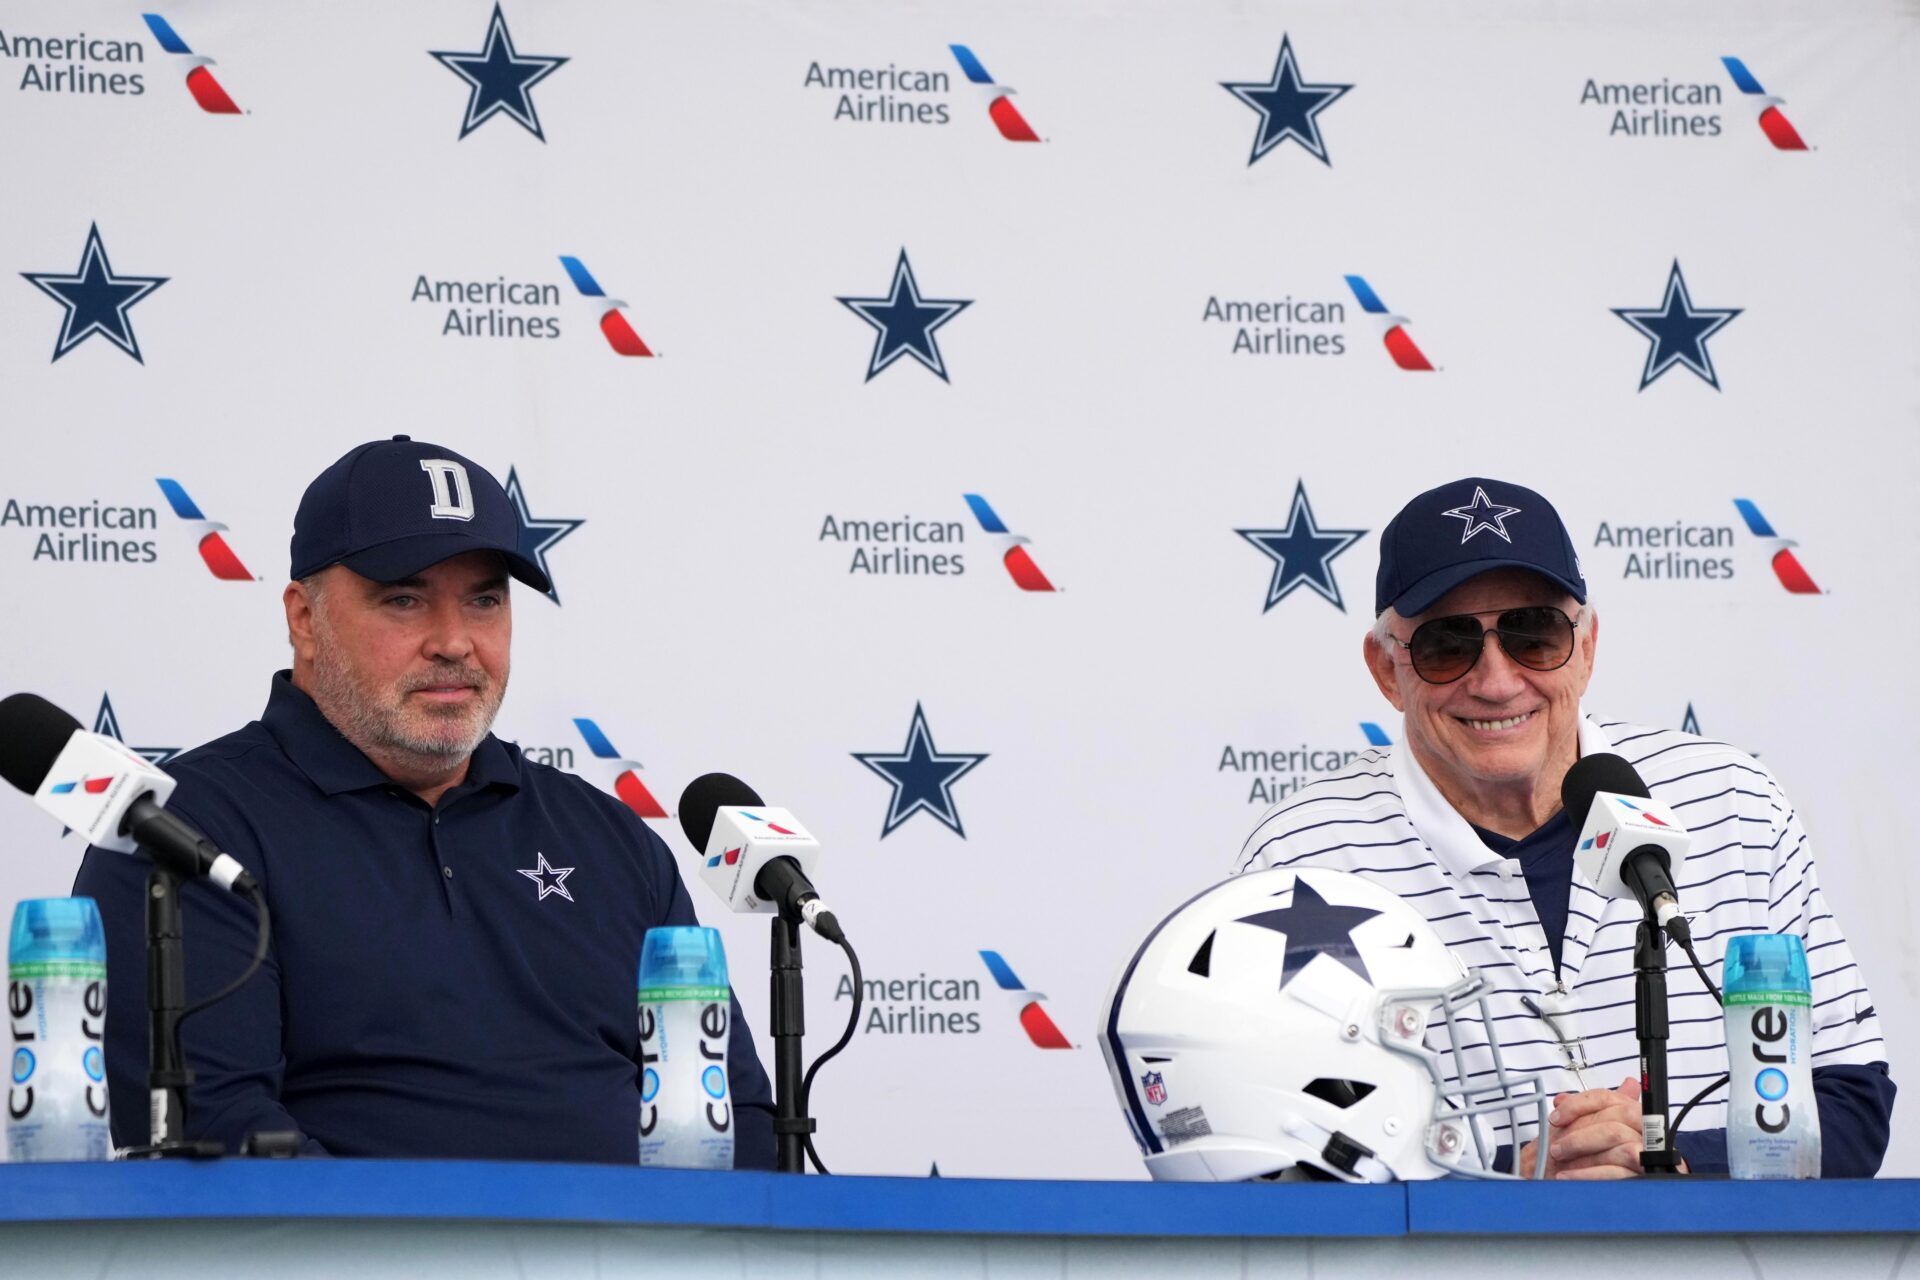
{"x":686,"y":1111}
{"x":1773,"y":1124}
{"x":57,"y":1017}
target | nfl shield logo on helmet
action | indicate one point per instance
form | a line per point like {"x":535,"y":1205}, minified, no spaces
{"x":1156,"y":1087}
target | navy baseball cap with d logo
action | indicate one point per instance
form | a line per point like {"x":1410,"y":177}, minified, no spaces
{"x":390,"y":508}
{"x":1461,"y":530}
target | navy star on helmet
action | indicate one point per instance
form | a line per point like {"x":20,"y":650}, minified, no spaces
{"x":1291,"y":1022}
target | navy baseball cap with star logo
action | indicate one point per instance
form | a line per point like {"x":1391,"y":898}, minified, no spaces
{"x":1463,"y":529}
{"x":390,"y":508}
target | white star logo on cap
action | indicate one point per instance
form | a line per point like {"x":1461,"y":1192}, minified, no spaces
{"x":1483,"y":514}
{"x":551,"y":879}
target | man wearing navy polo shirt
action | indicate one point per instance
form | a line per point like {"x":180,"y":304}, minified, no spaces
{"x":456,"y":928}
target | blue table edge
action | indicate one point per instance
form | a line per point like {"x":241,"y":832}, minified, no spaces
{"x":609,"y":1195}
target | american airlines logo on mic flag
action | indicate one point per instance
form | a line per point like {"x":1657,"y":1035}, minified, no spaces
{"x":1773,"y":122}
{"x":1012,"y":547}
{"x":200,"y":82}
{"x":1400,"y":345}
{"x":92,"y":786}
{"x":1639,"y":817}
{"x":1034,"y":1019}
{"x":616,"y":773}
{"x":1786,"y":566}
{"x":219,"y":557}
{"x":1644,"y":814}
{"x":732,"y":855}
{"x":1006,"y":117}
{"x":613,"y":322}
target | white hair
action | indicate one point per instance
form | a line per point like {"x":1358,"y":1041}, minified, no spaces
{"x":315,"y":587}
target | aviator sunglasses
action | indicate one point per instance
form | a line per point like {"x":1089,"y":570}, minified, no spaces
{"x":1538,"y":637}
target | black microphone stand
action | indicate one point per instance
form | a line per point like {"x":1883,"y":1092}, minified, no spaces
{"x":1657,"y":1155}
{"x":791,"y":1124}
{"x":168,"y":1077}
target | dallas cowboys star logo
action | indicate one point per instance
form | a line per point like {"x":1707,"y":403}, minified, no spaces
{"x":1288,"y":107}
{"x":1678,"y":331}
{"x":108,"y":722}
{"x":1315,"y":927}
{"x":551,"y":879}
{"x":1483,"y":515}
{"x":500,"y":78}
{"x":97,"y":300}
{"x":922,"y":777}
{"x":537,"y":537}
{"x":905,"y":321}
{"x":1302,"y":553}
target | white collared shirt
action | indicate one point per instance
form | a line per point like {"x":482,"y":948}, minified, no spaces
{"x":1751,"y":870}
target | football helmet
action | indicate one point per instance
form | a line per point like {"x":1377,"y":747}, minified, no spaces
{"x":1280,"y":1023}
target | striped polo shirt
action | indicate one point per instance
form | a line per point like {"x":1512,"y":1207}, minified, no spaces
{"x":1750,"y":870}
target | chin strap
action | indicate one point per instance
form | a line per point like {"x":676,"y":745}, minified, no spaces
{"x":1352,"y":1160}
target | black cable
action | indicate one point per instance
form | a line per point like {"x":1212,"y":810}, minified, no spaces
{"x":259,"y":958}
{"x":1685,"y":939}
{"x":853,"y":1024}
{"x":1697,"y":1098}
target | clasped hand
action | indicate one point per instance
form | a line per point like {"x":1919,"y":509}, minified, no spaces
{"x":1591,"y":1136}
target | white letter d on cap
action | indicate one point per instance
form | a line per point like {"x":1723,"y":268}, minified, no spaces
{"x":452,"y":495}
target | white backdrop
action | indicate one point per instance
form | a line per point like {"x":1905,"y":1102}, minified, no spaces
{"x":707,"y":625}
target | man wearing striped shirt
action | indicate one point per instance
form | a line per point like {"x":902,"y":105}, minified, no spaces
{"x":1463,"y":820}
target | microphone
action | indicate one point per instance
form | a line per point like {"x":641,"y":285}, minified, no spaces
{"x":756,"y":858}
{"x":1629,"y":844}
{"x":104,"y":790}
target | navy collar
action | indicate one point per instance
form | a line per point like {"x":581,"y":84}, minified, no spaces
{"x":1552,"y":840}
{"x":337,"y":766}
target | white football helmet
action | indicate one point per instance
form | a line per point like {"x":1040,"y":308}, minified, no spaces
{"x":1281,"y":1019}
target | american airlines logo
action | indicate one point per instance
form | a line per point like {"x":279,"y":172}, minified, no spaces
{"x":613,"y":772}
{"x":92,"y":786}
{"x":917,"y":545}
{"x":1272,"y":773}
{"x":1399,"y":343}
{"x":1787,"y":568}
{"x":1029,"y":1006}
{"x":1703,"y":550}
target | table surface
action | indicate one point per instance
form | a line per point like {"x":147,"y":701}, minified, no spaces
{"x":456,"y":1191}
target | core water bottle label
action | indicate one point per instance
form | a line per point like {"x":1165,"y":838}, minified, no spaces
{"x":1801,"y":999}
{"x":1773,"y":1119}
{"x":34,"y":970}
{"x":656,"y":995}
{"x":686,"y":1114}
{"x":57,"y":1078}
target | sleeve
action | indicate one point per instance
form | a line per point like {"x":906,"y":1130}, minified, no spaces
{"x":1845,"y":1026}
{"x":753,"y":1146}
{"x":233,"y":1047}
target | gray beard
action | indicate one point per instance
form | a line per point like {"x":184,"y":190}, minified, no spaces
{"x":381,"y":731}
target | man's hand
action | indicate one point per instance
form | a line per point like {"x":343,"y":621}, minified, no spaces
{"x":1592,"y":1135}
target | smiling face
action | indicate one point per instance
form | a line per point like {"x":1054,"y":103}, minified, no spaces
{"x":411,"y":672}
{"x":1497,"y":741}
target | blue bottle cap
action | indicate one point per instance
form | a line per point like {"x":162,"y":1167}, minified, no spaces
{"x":685,"y":959}
{"x":57,"y":929}
{"x":1764,"y":962}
